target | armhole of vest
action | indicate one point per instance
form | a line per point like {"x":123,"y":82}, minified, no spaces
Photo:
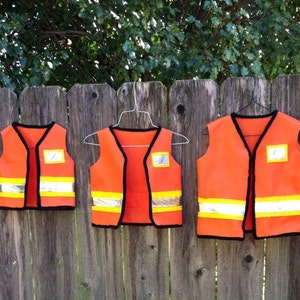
{"x":209,"y":137}
{"x":99,"y":156}
{"x":2,"y":146}
{"x":298,"y":141}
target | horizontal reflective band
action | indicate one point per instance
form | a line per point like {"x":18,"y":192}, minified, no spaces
{"x":12,"y":195}
{"x":57,"y":194}
{"x":277,"y":206}
{"x":220,"y":216}
{"x":167,"y":194}
{"x":219,"y":208}
{"x":107,"y":199}
{"x":166,"y":209}
{"x":57,"y":186}
{"x":57,"y":179}
{"x":12,"y":188}
{"x":162,"y":202}
{"x":107,"y":202}
{"x":109,"y":195}
{"x":107,"y":209}
{"x":12,"y":180}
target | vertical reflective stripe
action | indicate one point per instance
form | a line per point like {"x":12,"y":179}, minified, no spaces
{"x":221,"y":208}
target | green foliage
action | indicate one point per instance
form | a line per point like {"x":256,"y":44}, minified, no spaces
{"x":66,"y":42}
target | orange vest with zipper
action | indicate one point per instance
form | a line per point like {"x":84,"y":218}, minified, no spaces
{"x":136,"y":180}
{"x":249,"y":180}
{"x":35,"y":168}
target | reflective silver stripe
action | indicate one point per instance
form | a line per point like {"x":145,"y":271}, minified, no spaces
{"x":222,"y":208}
{"x":108,"y":202}
{"x":161,"y":202}
{"x":12,"y":188}
{"x":56,"y":186}
{"x":277,"y":206}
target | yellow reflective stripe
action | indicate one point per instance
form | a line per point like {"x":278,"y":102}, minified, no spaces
{"x":12,"y":180}
{"x":277,"y":206}
{"x":220,"y":216}
{"x":107,"y":209}
{"x":221,"y":201}
{"x":277,"y":198}
{"x":166,"y":194}
{"x":12,"y":195}
{"x":57,"y":179}
{"x":57,"y":194}
{"x":99,"y":194}
{"x":166,"y":209}
{"x":221,"y":208}
{"x":278,"y":214}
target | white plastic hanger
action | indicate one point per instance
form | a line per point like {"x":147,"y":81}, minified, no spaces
{"x":136,"y":108}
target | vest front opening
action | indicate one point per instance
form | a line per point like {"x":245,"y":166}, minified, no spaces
{"x":135,"y":145}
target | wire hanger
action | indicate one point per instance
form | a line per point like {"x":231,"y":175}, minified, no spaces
{"x":136,"y":109}
{"x":253,"y":101}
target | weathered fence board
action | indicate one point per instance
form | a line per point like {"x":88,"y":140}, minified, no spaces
{"x":59,"y":255}
{"x":146,"y":257}
{"x":49,"y":233}
{"x":240,"y":263}
{"x":192,"y":105}
{"x":283,"y":254}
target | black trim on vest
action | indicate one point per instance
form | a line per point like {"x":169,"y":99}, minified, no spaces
{"x":48,"y":127}
{"x":158,"y":130}
{"x":252,"y":158}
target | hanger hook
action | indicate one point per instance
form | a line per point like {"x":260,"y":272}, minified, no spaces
{"x":134,"y":96}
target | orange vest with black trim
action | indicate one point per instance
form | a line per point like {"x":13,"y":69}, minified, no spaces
{"x":136,"y":180}
{"x":249,"y":180}
{"x":35,"y":168}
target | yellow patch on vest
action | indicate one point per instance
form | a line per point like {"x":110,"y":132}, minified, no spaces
{"x":54,"y":156}
{"x":277,"y":153}
{"x":160,"y":159}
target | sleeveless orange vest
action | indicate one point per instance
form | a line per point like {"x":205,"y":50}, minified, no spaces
{"x":35,"y":168}
{"x":136,"y":180}
{"x":249,"y":180}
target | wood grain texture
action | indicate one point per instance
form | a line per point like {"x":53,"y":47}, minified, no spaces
{"x":240,"y":264}
{"x":49,"y":233}
{"x":283,"y":254}
{"x":15,"y":275}
{"x":99,"y":251}
{"x":59,"y":255}
{"x":193,"y":103}
{"x":146,"y":257}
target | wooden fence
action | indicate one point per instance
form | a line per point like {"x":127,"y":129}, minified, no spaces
{"x":59,"y":255}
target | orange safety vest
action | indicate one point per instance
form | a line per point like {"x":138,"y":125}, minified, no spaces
{"x":136,"y":180}
{"x":249,"y":180}
{"x":35,"y":168}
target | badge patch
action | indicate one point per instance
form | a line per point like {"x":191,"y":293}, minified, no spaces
{"x":54,"y":156}
{"x":160,"y":159}
{"x":277,"y":153}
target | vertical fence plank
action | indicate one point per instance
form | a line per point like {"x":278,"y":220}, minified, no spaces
{"x":283,"y":254}
{"x":99,"y":262}
{"x":146,"y":262}
{"x":241,"y":263}
{"x":50,"y":233}
{"x":193,"y":103}
{"x":15,"y":276}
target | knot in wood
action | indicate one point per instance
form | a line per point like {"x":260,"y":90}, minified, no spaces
{"x":180,"y":109}
{"x":94,"y":95}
